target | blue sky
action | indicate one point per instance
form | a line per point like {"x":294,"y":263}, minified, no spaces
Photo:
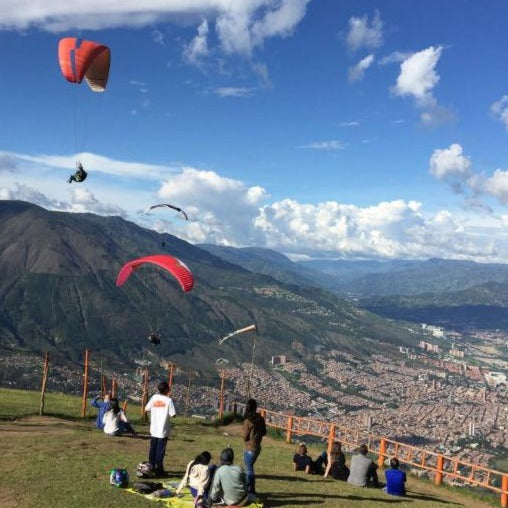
{"x":319,"y":128}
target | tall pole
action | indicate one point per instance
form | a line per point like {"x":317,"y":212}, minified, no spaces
{"x":170,"y":375}
{"x":45,"y":371}
{"x":144,"y":399}
{"x":114,"y":387}
{"x":187,"y":398}
{"x":249,"y":381}
{"x":85,"y":383}
{"x":221,"y":398}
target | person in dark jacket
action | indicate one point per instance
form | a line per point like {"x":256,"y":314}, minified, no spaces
{"x":79,"y":176}
{"x":254,"y":428}
{"x":103,"y":407}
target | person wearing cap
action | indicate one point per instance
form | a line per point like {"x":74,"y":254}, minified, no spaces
{"x":229,"y":485}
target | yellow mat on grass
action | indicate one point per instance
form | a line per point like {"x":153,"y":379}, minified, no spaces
{"x":184,"y":501}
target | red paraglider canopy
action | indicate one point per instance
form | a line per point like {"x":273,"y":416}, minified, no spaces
{"x":173,"y":265}
{"x":80,"y":59}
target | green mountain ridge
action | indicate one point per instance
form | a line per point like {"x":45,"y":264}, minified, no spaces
{"x":57,"y":287}
{"x":484,"y":306}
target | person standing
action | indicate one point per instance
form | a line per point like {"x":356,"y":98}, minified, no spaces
{"x":161,"y":410}
{"x":254,"y":428}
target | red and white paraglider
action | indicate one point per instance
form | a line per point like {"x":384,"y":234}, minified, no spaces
{"x":173,"y":265}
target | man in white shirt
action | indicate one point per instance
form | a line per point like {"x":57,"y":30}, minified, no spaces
{"x":161,"y":410}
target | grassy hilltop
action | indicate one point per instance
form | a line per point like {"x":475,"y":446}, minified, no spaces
{"x":64,"y":462}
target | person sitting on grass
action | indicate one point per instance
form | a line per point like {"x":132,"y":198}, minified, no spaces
{"x":102,"y":407}
{"x":198,"y":474}
{"x":302,"y":461}
{"x":336,"y":466}
{"x":115,"y":421}
{"x":363,"y":470}
{"x":395,"y":479}
{"x":229,"y":485}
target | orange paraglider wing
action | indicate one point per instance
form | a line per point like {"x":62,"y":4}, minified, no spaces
{"x":80,"y":59}
{"x":173,"y":265}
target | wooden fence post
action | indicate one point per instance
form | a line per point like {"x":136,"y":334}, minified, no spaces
{"x":289,"y":429}
{"x":235,"y":408}
{"x":331,"y":437}
{"x":221,"y":397}
{"x":382,"y":453}
{"x":114,"y":387}
{"x":45,"y":371}
{"x":504,"y":491}
{"x":144,"y":398}
{"x":439,"y":466}
{"x":170,"y":375}
{"x":85,"y":383}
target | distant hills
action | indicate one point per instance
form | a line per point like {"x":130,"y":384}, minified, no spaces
{"x":484,"y":306}
{"x":400,"y":277}
{"x":57,"y":292}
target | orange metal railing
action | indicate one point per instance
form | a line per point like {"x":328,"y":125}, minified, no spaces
{"x":435,"y":463}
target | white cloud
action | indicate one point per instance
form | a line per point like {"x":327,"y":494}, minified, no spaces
{"x":394,"y":57}
{"x":197,"y":49}
{"x":261,"y":71}
{"x":357,"y":72}
{"x":81,"y":200}
{"x":500,"y":110}
{"x":450,"y":163}
{"x":99,"y":163}
{"x":333,"y":144}
{"x":497,"y":185}
{"x":244,"y":25}
{"x":418,"y":76}
{"x":230,"y":212}
{"x":353,"y":123}
{"x":7,"y":163}
{"x":224,"y":208}
{"x":362,"y":35}
{"x":241,"y":26}
{"x":231,"y":91}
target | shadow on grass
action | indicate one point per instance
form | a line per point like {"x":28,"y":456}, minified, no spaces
{"x":283,"y":478}
{"x":274,"y":500}
{"x":422,"y":497}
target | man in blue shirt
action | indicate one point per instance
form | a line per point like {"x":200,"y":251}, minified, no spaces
{"x":395,"y":479}
{"x":102,"y":407}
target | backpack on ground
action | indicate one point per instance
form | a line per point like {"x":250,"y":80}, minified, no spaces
{"x":145,"y":470}
{"x":146,"y":487}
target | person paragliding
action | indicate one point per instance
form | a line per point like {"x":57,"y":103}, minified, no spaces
{"x":154,"y":338}
{"x":79,"y":176}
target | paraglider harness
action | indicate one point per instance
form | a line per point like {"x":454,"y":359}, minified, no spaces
{"x":79,"y":176}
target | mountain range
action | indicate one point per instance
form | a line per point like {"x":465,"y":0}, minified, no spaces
{"x":58,"y":293}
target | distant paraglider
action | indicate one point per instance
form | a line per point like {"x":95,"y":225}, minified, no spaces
{"x":167,"y":205}
{"x":250,"y":328}
{"x":154,"y":338}
{"x":173,"y":265}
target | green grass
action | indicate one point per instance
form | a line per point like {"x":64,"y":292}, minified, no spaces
{"x":64,"y":462}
